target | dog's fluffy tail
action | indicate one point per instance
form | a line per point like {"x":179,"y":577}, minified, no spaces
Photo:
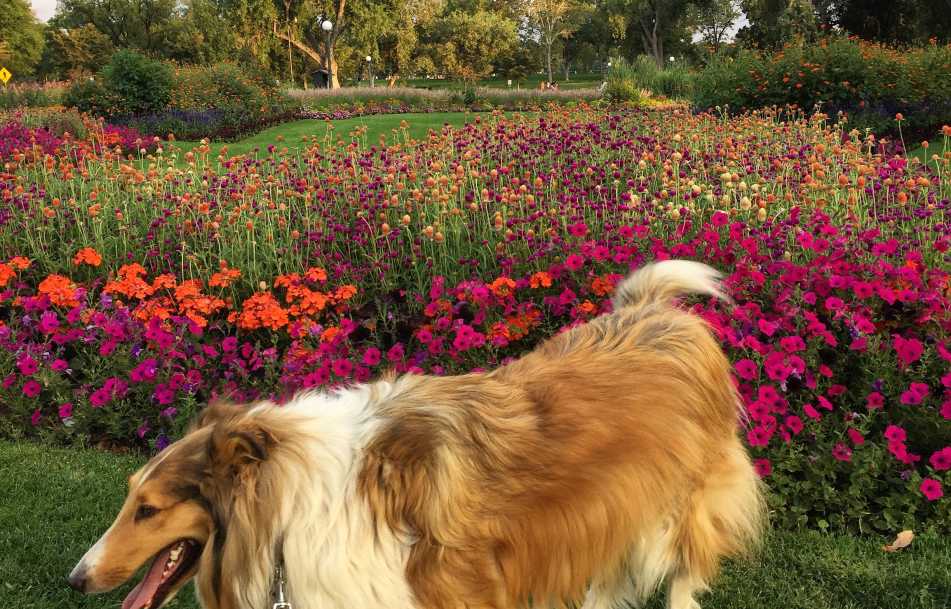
{"x":661,"y":282}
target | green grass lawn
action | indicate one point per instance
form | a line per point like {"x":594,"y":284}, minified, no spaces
{"x":376,"y":125}
{"x":54,"y":503}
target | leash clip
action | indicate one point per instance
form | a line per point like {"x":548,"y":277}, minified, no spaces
{"x":280,"y":599}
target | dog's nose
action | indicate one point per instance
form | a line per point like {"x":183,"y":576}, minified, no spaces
{"x":77,"y":579}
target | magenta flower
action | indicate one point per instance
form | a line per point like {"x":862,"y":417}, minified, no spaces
{"x":941,"y":460}
{"x":343,"y":368}
{"x":811,"y":412}
{"x":794,"y":424}
{"x":60,"y":365}
{"x":763,"y":467}
{"x":372,"y":356}
{"x":841,"y":452}
{"x":747,"y":369}
{"x":27,"y":365}
{"x":229,"y":344}
{"x":946,"y":409}
{"x":874,"y":400}
{"x":931,"y":489}
{"x":578,"y":229}
{"x":856,"y":436}
{"x":66,"y":410}
{"x":908,"y":350}
{"x":915,"y":394}
{"x":894,"y":433}
{"x":35,"y":419}
{"x":31,"y":389}
{"x":574,"y":262}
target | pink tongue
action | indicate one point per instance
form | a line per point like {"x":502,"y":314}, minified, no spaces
{"x":145,"y":590}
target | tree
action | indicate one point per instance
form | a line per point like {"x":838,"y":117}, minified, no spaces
{"x":75,"y":53}
{"x":798,"y":21}
{"x":467,"y":45}
{"x":22,"y":37}
{"x":556,"y":19}
{"x":653,"y":22}
{"x":763,"y":28}
{"x":712,"y":21}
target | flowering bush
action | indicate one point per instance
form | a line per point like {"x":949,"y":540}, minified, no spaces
{"x":22,"y":144}
{"x":869,"y":82}
{"x":135,"y":291}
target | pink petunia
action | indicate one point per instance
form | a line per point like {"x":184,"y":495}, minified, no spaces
{"x":343,"y":368}
{"x":794,"y":424}
{"x":574,"y":262}
{"x":894,"y":433}
{"x":763,"y":467}
{"x":811,"y":412}
{"x":941,"y":460}
{"x":931,"y":489}
{"x":31,"y":389}
{"x":915,"y":394}
{"x":874,"y":400}
{"x":841,"y":452}
{"x":908,"y":350}
{"x":372,"y":356}
{"x":856,"y":436}
{"x":747,"y":369}
{"x":36,"y":417}
{"x":946,"y":409}
{"x":66,"y":410}
{"x":27,"y":365}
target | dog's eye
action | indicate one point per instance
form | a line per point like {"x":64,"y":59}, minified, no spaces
{"x":145,"y":511}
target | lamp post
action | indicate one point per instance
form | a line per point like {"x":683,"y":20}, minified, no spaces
{"x":370,"y":69}
{"x":327,"y":26}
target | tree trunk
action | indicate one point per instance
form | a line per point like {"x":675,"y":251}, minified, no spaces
{"x":548,"y":44}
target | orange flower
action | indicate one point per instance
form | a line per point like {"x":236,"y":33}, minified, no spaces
{"x":223,"y":278}
{"x":6,"y":274}
{"x":262,"y":311}
{"x":129,"y":283}
{"x":60,"y":290}
{"x":502,"y":287}
{"x":540,"y":279}
{"x":87,"y":255}
{"x":315,"y":273}
{"x":329,"y":334}
{"x":602,"y":286}
{"x":20,"y":263}
{"x":345,"y":292}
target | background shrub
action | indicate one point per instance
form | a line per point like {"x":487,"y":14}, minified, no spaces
{"x":138,"y":83}
{"x":869,"y":82}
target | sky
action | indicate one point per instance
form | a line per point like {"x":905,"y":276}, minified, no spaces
{"x":44,"y":9}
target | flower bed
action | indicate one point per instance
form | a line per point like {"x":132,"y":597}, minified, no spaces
{"x":136,"y":291}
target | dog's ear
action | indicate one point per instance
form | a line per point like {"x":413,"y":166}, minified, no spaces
{"x":218,"y":410}
{"x":238,"y":445}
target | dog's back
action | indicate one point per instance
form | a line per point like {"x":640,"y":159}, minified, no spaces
{"x":611,"y":451}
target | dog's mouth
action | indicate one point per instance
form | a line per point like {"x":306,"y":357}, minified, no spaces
{"x":170,"y":568}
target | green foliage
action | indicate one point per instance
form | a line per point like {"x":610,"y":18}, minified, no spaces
{"x":31,"y":95}
{"x":90,"y":95}
{"x":21,"y":38}
{"x":466,"y":45}
{"x":869,"y":82}
{"x":139,"y":84}
{"x":75,"y":53}
{"x":673,"y":81}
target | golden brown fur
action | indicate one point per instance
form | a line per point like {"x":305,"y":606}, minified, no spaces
{"x":526,"y":482}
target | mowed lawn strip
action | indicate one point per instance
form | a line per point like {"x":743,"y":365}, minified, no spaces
{"x":418,"y":126}
{"x":54,"y":503}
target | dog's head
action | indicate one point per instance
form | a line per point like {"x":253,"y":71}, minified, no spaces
{"x":177,"y":510}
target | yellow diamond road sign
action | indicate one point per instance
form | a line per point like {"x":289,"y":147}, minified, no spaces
{"x":5,"y":75}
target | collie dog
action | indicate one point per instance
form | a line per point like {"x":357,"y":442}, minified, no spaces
{"x":586,"y":473}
